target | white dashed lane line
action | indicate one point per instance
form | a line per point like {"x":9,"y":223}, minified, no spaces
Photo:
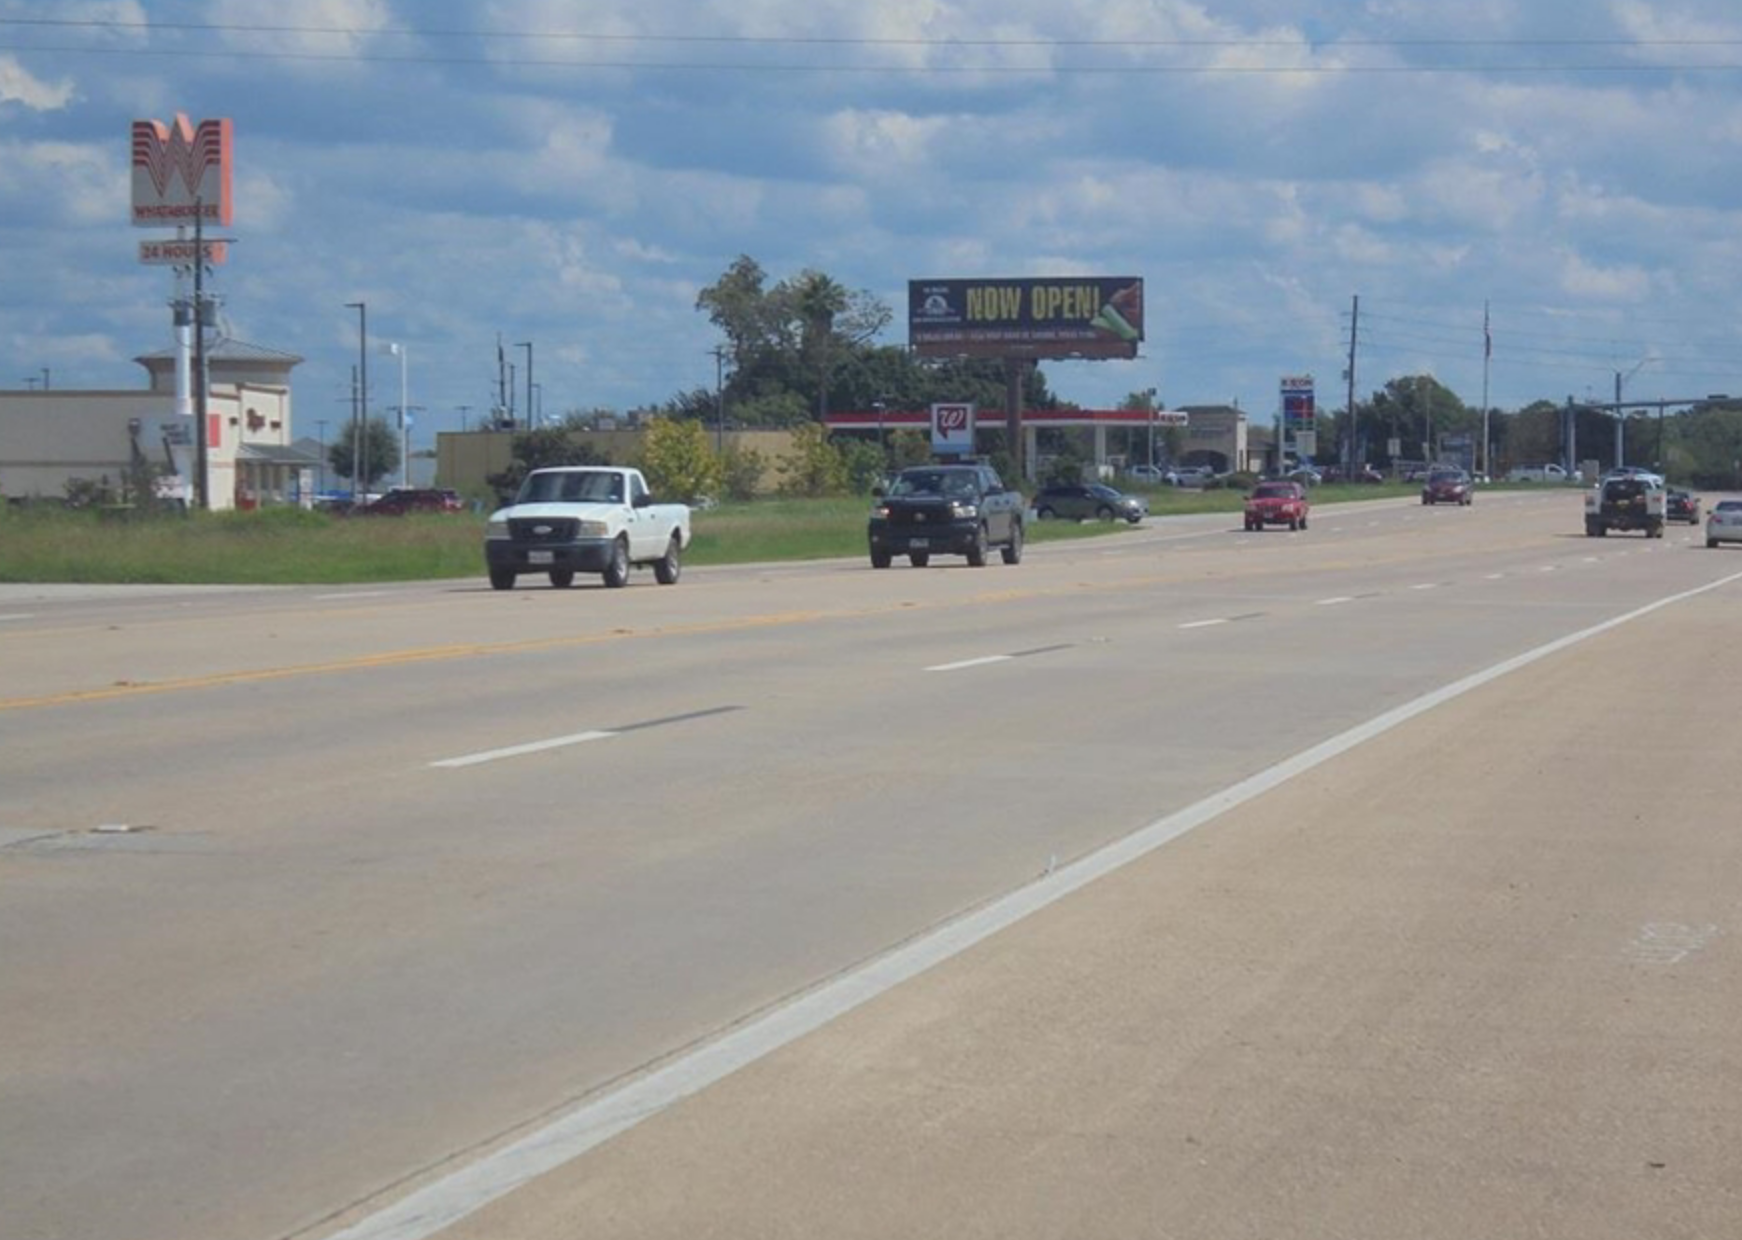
{"x":576,"y":738}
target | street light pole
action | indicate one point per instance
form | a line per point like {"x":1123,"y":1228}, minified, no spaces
{"x":531,"y":417}
{"x":361,"y":413}
{"x":402,"y":352}
{"x":321,"y":460}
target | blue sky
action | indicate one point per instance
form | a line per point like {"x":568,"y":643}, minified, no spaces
{"x":571,"y":175}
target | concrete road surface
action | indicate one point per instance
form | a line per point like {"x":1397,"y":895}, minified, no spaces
{"x":420,"y":880}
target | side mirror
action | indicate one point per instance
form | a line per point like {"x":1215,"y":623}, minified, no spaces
{"x":878,"y":490}
{"x":643,"y":500}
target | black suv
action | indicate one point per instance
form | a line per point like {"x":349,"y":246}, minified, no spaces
{"x":949,"y":510}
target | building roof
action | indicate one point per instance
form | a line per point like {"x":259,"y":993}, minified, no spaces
{"x":277,"y":454}
{"x":228,"y":350}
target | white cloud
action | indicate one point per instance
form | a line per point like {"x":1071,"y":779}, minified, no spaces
{"x":19,"y":86}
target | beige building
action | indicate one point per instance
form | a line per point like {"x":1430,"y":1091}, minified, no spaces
{"x":49,"y":438}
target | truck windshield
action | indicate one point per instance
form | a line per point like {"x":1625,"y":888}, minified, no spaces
{"x":933,"y":482}
{"x":591,"y":487}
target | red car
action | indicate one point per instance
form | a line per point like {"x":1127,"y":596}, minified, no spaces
{"x":1277,"y":503}
{"x":401,"y":501}
{"x":1448,"y":486}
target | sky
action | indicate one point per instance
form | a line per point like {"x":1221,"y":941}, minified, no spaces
{"x":568,"y":177}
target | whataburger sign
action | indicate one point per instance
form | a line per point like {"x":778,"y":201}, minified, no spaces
{"x":1089,"y":316}
{"x":181,"y":170}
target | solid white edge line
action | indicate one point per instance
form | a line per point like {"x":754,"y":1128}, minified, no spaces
{"x":430,"y":1209}
{"x":516,"y":751}
{"x":956,"y":667}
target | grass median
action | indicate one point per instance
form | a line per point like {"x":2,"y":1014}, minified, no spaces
{"x":290,"y":546}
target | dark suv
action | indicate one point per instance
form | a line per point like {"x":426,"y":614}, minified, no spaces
{"x":945,"y":509}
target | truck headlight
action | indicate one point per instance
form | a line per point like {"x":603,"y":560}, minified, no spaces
{"x":964,"y":510}
{"x":496,"y":528}
{"x":592,"y":529}
{"x":881,"y":512}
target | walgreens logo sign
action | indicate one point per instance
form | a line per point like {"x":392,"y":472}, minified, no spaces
{"x":952,"y":429}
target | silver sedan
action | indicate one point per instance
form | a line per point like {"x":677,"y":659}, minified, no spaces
{"x":1724,"y":522}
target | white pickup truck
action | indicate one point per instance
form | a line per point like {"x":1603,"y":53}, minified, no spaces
{"x":589,"y":519}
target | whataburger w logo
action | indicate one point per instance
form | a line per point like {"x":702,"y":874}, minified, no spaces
{"x":178,"y":164}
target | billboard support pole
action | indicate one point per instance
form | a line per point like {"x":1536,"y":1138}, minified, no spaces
{"x":202,"y":464}
{"x":1013,"y":375}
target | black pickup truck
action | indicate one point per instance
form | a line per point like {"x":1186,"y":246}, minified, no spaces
{"x":949,"y":510}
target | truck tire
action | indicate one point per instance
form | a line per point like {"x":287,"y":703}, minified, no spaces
{"x":1592,"y":528}
{"x":977,"y":548}
{"x":668,"y":566}
{"x":562,"y":578}
{"x":1012,"y":550}
{"x":919,"y":559}
{"x":502,"y":579}
{"x":880,"y":559}
{"x":1711,"y":544}
{"x":616,"y":573}
{"x":1654,"y":530}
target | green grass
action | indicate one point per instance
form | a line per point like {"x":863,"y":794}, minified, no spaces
{"x":288,"y":546}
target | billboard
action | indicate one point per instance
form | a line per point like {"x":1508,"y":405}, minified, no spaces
{"x":178,"y":165}
{"x":1087,"y":316}
{"x":952,"y":429}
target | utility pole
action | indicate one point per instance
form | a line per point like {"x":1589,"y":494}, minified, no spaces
{"x":202,"y":488}
{"x":719,"y":352}
{"x":1487,"y":354}
{"x":361,"y":412}
{"x":321,"y":460}
{"x":1354,"y":335}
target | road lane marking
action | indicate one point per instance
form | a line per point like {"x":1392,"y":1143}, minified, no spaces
{"x":430,"y":1209}
{"x":1668,"y":942}
{"x":1203,"y":624}
{"x":1335,"y":602}
{"x":516,"y":751}
{"x":1038,"y":650}
{"x":982,"y":662}
{"x":350,"y":594}
{"x":18,"y":616}
{"x":1426,"y":585}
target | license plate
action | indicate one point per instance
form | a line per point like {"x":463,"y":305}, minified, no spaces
{"x":540,"y":557}
{"x":919,"y":544}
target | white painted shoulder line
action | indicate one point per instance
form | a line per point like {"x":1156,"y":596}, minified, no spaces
{"x":446,"y":1201}
{"x":956,"y":667}
{"x":516,"y":751}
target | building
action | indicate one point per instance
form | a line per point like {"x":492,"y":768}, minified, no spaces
{"x":52,"y":438}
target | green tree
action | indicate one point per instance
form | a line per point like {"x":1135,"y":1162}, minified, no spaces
{"x":538,"y":449}
{"x":741,"y":471}
{"x":864,"y":464}
{"x":380,"y":454}
{"x":678,"y":460}
{"x":815,"y":467}
{"x":909,"y":448}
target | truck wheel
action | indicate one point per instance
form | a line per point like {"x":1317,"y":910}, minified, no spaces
{"x":1654,"y":530}
{"x":1711,"y":544}
{"x":562,"y":578}
{"x":667,"y":567}
{"x":616,"y":573}
{"x":879,"y":559}
{"x":977,"y":548}
{"x":1012,"y":550}
{"x":1591,"y":528}
{"x":919,"y":559}
{"x":502,"y":579}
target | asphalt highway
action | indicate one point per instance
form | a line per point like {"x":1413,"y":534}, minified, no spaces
{"x":429,"y":909}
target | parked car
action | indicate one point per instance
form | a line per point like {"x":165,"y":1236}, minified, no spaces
{"x":1150,"y":474}
{"x":1084,"y":500}
{"x":401,"y":501}
{"x":1189,"y":475}
{"x":1361,"y":473}
{"x":1724,"y":522}
{"x":1540,"y":473}
{"x":1306,"y":475}
{"x":1682,"y":506}
{"x":1448,"y":486}
{"x":1277,"y":503}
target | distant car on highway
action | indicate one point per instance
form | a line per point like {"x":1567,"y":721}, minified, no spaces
{"x":1724,"y":522}
{"x":1448,"y":486}
{"x":1081,"y":501}
{"x":1277,"y":503}
{"x":1682,"y":506}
